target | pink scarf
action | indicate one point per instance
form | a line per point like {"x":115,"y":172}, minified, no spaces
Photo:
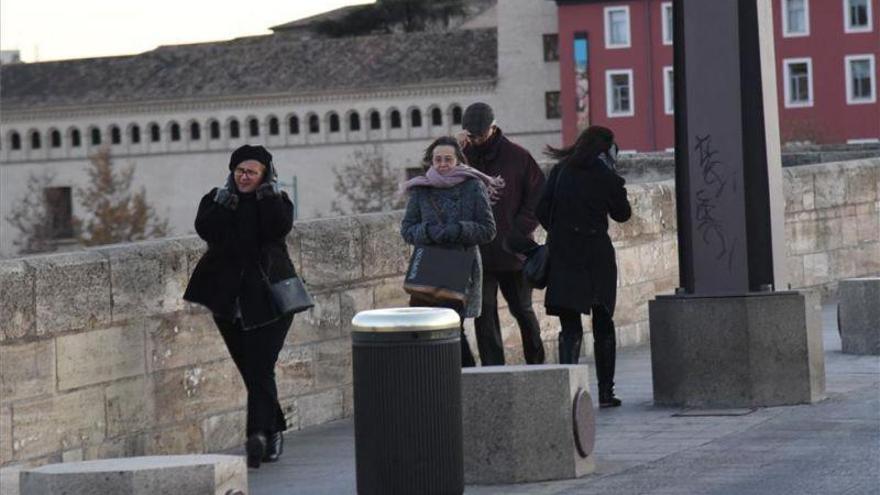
{"x":454,"y":177}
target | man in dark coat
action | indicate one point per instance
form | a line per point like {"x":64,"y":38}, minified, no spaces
{"x":488,"y":150}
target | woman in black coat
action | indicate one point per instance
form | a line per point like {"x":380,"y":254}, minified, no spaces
{"x":582,"y":277}
{"x":245,"y":224}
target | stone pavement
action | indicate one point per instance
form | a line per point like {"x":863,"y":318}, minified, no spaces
{"x":832,"y":447}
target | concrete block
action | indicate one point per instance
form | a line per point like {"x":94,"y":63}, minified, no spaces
{"x":183,"y":339}
{"x":333,"y":363}
{"x":5,"y":435}
{"x":353,"y":301}
{"x":518,"y":423}
{"x":58,"y":423}
{"x":26,"y":370}
{"x":197,"y":391}
{"x":389,"y":293}
{"x":295,"y":370}
{"x":384,"y":252}
{"x":331,"y":251}
{"x":16,"y":300}
{"x":319,"y":408}
{"x":185,"y":438}
{"x":100,"y":356}
{"x":322,"y":322}
{"x":737,"y":351}
{"x":9,"y":484}
{"x":148,"y":278}
{"x":129,"y":406}
{"x":224,"y":431}
{"x":859,"y":315}
{"x":72,"y":291}
{"x":189,"y":474}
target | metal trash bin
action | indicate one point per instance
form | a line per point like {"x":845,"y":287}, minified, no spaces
{"x":406,"y":364}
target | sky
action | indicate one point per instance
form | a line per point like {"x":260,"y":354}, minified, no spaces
{"x":45,"y":30}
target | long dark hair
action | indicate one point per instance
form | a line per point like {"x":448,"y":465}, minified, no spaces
{"x":592,"y":142}
{"x":428,"y":159}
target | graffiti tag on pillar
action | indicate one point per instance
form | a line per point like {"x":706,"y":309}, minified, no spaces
{"x":708,"y":198}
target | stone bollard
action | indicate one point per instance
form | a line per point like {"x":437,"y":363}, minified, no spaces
{"x":183,"y":474}
{"x":527,"y":423}
{"x":858,"y":317}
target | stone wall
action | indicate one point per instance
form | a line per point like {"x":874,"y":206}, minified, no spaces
{"x":100,"y":357}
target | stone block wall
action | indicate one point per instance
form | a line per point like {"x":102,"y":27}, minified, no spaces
{"x":100,"y":356}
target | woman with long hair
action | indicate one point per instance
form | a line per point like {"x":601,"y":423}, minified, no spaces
{"x":450,"y":206}
{"x":582,"y":191}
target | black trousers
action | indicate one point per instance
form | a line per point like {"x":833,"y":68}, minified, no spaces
{"x":467,"y":357}
{"x":604,"y":343}
{"x":255,"y":353}
{"x":518,"y":295}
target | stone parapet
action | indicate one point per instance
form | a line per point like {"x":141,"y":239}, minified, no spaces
{"x":100,"y":345}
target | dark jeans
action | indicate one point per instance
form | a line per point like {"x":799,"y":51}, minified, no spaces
{"x":604,"y":343}
{"x":519,"y":300}
{"x":467,"y":357}
{"x":255,"y":352}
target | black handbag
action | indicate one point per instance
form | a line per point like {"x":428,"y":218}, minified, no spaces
{"x":439,"y":274}
{"x":537,"y":266}
{"x":289,"y":295}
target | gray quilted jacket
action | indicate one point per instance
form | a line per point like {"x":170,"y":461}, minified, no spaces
{"x":468,"y":205}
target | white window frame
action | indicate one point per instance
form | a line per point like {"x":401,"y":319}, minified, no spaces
{"x":665,"y":15}
{"x":784,"y":14}
{"x":786,"y":64}
{"x":668,"y":92}
{"x":850,"y":100}
{"x":607,"y":21}
{"x":609,"y":96}
{"x":848,"y":28}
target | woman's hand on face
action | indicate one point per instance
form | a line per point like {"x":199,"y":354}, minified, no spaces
{"x":461,"y":137}
{"x":268,"y":190}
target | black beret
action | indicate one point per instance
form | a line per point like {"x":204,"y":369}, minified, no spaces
{"x":248,"y":152}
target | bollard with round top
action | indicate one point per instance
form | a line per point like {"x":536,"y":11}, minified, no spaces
{"x":407,"y":401}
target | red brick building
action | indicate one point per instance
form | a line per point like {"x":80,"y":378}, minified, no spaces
{"x":616,"y":70}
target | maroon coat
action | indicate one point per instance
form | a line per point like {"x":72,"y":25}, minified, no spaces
{"x":515,"y":209}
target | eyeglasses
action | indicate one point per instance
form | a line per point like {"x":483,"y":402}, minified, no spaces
{"x":250,"y":174}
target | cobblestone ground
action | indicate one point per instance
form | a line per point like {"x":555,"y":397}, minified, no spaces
{"x":832,"y":447}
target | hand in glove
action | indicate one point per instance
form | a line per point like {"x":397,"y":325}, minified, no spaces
{"x":451,"y":233}
{"x":268,"y":190}
{"x":435,"y":232}
{"x":225,"y":196}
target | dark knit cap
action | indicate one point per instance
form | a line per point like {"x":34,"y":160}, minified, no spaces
{"x":248,"y":152}
{"x":477,"y":118}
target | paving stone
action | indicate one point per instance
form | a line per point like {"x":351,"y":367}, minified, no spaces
{"x":100,"y":356}
{"x":129,"y":406}
{"x":191,"y":474}
{"x":57,"y":423}
{"x":197,"y":391}
{"x":16,"y":300}
{"x":72,"y":291}
{"x":26,"y":370}
{"x":183,"y":339}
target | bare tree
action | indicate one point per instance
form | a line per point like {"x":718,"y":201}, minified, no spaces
{"x":32,"y":217}
{"x":367,"y":184}
{"x":116,"y":214}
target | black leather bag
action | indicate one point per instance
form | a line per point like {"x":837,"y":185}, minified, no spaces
{"x":290,"y":296}
{"x":537,"y":266}
{"x":439,"y":274}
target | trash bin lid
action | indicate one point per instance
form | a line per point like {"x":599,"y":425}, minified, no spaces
{"x":405,"y":320}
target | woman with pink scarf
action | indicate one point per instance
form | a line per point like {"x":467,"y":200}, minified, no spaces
{"x":450,"y":206}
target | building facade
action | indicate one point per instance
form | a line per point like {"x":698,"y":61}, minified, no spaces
{"x":175,"y":113}
{"x":616,"y":66}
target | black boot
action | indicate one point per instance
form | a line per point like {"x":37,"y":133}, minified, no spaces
{"x":607,"y":398}
{"x":569,"y":348}
{"x":255,"y":448}
{"x":275,"y":447}
{"x":605,"y":353}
